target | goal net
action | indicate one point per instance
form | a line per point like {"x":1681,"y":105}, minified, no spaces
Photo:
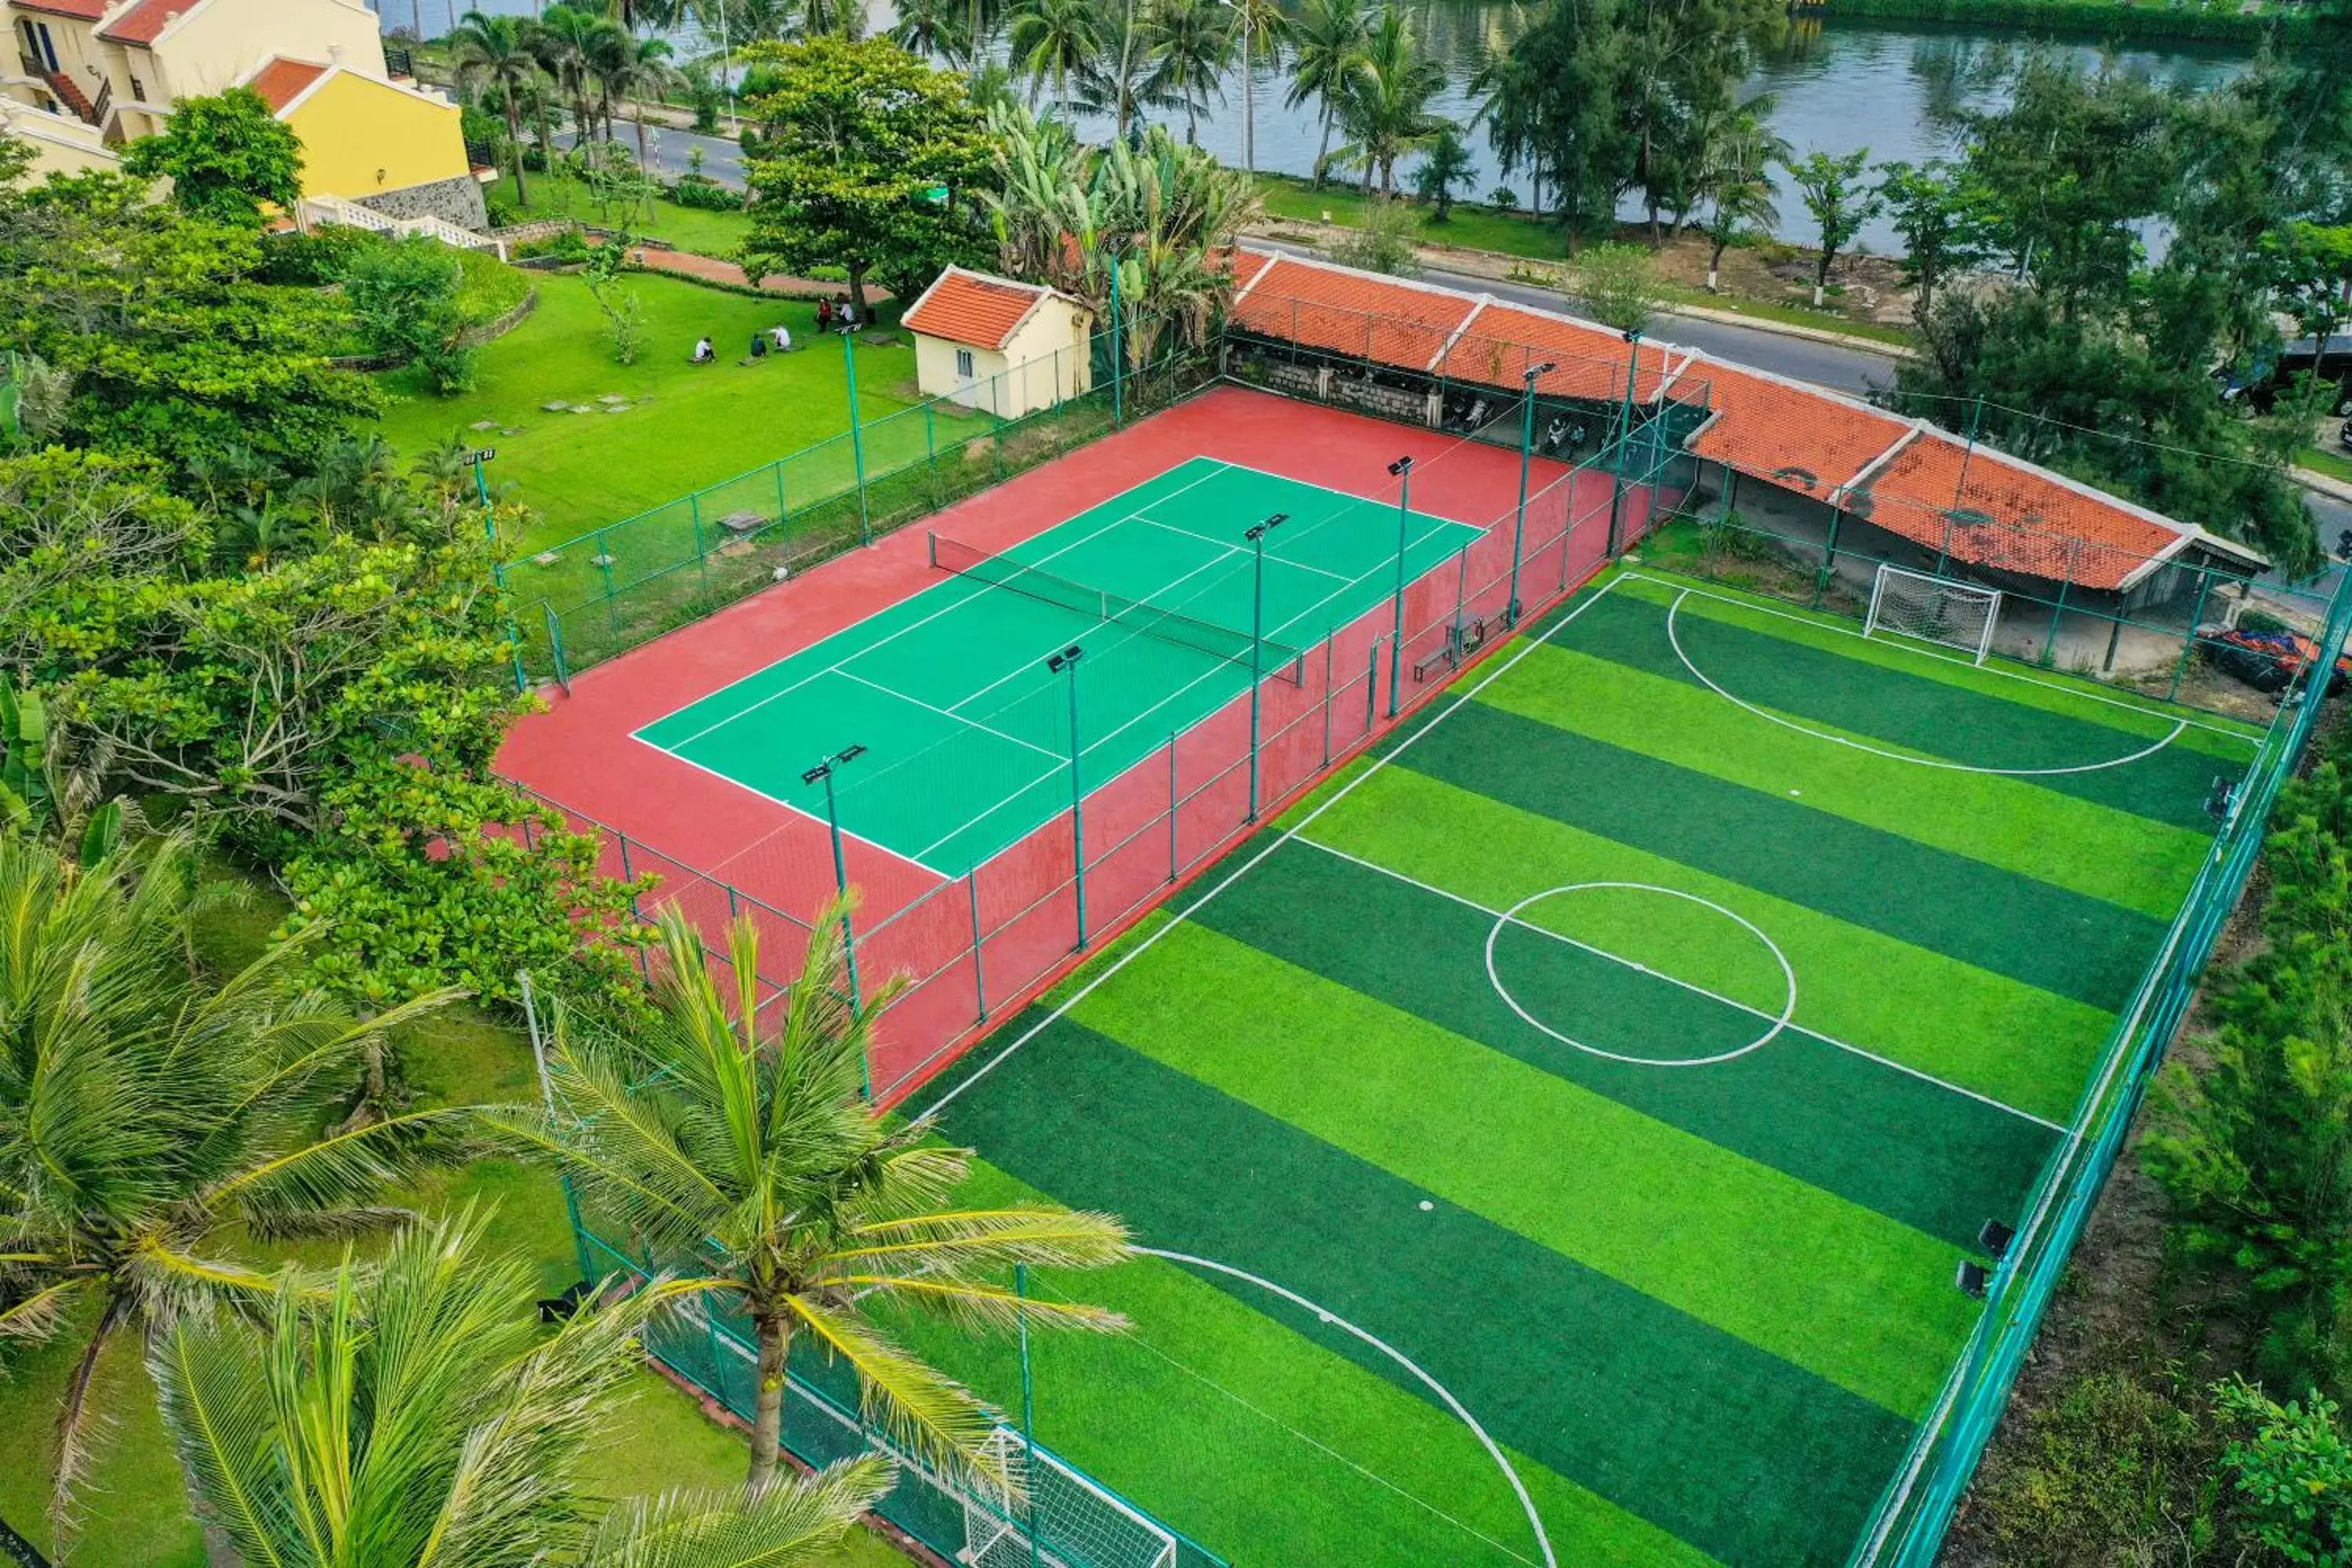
{"x":1077,"y":1524}
{"x":1934,"y":609}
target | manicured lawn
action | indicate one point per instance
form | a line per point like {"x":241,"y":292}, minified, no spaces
{"x":684,"y":426}
{"x":688,"y":229}
{"x":133,"y":1513}
{"x":2319,"y":460}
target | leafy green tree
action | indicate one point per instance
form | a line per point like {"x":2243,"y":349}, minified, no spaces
{"x":415,"y":1413}
{"x":497,"y":52}
{"x":154,"y":1119}
{"x":1384,"y":241}
{"x":1384,"y":102}
{"x":1552,"y":107}
{"x":227,"y":156}
{"x":1942,"y":218}
{"x":1445,"y":165}
{"x":1327,"y":41}
{"x":854,"y":137}
{"x":1619,"y":284}
{"x":1841,"y":204}
{"x":1736,"y":206}
{"x":404,"y":294}
{"x":2292,"y":1470}
{"x":753,"y":1154}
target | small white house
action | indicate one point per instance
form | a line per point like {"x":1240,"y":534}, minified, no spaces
{"x":1002,"y":347}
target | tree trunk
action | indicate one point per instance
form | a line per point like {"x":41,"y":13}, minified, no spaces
{"x":1323,"y":153}
{"x":1822,"y":278}
{"x":1715,"y":264}
{"x":768,"y":1401}
{"x":514,"y":135}
{"x":857,"y":294}
{"x":641,"y":135}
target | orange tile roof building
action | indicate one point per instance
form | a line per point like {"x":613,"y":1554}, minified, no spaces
{"x":1001,"y":346}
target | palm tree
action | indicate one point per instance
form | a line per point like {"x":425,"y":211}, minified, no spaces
{"x":566,"y":41}
{"x":1118,"y":79}
{"x":1055,"y":40}
{"x":1191,"y":44}
{"x":949,"y":29}
{"x":1327,"y":42}
{"x":635,"y":70}
{"x":1384,"y":102}
{"x":757,"y":1157}
{"x":414,"y":1413}
{"x":151,"y":1119}
{"x":1737,"y":153}
{"x":497,"y":50}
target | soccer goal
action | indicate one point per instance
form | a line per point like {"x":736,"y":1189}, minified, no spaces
{"x":1077,"y":1523}
{"x":1934,"y":609}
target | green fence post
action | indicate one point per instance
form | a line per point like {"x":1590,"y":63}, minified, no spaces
{"x":857,"y":437}
{"x":604,"y":567}
{"x":2058,"y":615}
{"x":1829,"y":557}
{"x":979,"y":976}
{"x":783,"y":512}
{"x":555,"y":647}
{"x":2189,"y":643}
{"x":931,"y":437}
{"x":1028,"y":1404}
{"x":701,"y":556}
{"x":1174,"y":854}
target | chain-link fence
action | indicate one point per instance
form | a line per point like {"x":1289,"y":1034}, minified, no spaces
{"x":606,"y":591}
{"x":1908,"y":1526}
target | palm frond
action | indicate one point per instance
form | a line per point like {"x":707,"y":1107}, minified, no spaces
{"x":987,"y":1307}
{"x":216,"y":1409}
{"x":922,"y":1410}
{"x":795,"y":1521}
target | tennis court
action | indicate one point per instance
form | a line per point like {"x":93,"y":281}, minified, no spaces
{"x":965,"y":731}
{"x":1557,"y":1136}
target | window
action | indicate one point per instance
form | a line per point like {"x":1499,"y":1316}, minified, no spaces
{"x":40,"y":50}
{"x":963,"y":363}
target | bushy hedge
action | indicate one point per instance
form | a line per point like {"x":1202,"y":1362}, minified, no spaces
{"x":701,"y":191}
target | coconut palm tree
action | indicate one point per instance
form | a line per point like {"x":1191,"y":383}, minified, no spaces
{"x":1055,"y":41}
{"x":1383,"y":103}
{"x":750,"y":1151}
{"x":566,"y":41}
{"x":1327,"y":42}
{"x":1191,"y":44}
{"x":151,"y":1119}
{"x":636,"y":69}
{"x":497,"y":50}
{"x":1118,"y":79}
{"x":952,"y":30}
{"x":414,"y":1413}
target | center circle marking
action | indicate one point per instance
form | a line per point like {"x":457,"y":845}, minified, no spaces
{"x":1510,"y":917}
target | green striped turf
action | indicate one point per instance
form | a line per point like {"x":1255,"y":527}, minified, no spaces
{"x":1913,"y":712}
{"x":1845,"y":1292}
{"x":2034,"y":931}
{"x":1939,"y":1162}
{"x":1744,"y":1456}
{"x":1217,"y":1415}
{"x":2022,"y":1045}
{"x":2011,"y":823}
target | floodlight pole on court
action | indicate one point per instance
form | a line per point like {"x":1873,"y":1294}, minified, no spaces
{"x":1257,"y":536}
{"x":856,"y":438}
{"x":823,"y":772}
{"x":1118,"y":349}
{"x":1066,"y":663}
{"x":1624,"y":434}
{"x":1402,"y":469}
{"x":1527,"y":453}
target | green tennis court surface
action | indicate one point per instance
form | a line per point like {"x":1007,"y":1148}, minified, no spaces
{"x":968,"y":734}
{"x":1563,"y":1129}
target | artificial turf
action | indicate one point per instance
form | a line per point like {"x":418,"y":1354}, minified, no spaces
{"x":1698,"y":1302}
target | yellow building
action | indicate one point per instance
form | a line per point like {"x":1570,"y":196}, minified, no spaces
{"x":115,"y":68}
{"x":1003,"y":347}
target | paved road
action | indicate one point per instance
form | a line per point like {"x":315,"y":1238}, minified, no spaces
{"x":669,"y":150}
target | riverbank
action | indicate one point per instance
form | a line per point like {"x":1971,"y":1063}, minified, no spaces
{"x":2155,"y":21}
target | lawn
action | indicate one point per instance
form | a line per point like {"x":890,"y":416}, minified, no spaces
{"x":688,"y":229}
{"x":679,"y":425}
{"x":133,"y":1512}
{"x":2320,"y":461}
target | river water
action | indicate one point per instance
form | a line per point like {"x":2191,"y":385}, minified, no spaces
{"x":1893,"y":88}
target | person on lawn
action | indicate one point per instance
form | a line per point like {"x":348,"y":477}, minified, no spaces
{"x":703,"y":352}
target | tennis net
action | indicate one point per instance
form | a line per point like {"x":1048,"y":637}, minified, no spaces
{"x":1116,"y":609}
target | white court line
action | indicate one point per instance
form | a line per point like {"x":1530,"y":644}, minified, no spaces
{"x":1061,"y":765}
{"x":1675,"y":980}
{"x":910,"y":626}
{"x":796,"y":810}
{"x":2000,"y":669}
{"x":945,"y":713}
{"x":1494,"y":1449}
{"x":1278,"y":560}
{"x":1674,"y":638}
{"x":1144,"y":945}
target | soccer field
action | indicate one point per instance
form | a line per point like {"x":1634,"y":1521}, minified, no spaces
{"x":1557,"y":1135}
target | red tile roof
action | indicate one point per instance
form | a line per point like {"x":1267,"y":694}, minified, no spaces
{"x":970,"y":308}
{"x":280,"y":81}
{"x":1502,"y":342}
{"x":1990,"y":509}
{"x":146,"y":20}
{"x":1785,"y":433}
{"x":83,"y":10}
{"x":1357,"y":315}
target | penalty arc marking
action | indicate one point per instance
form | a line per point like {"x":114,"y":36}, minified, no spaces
{"x":1494,"y":1449}
{"x":1673,"y":635}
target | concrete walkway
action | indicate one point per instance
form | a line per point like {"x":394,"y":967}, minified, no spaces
{"x":711,"y":269}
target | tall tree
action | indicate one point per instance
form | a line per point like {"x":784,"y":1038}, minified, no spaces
{"x":854,"y":138}
{"x":1327,"y":42}
{"x":1552,"y":107}
{"x":413,"y":1413}
{"x":1118,"y":79}
{"x":1839,"y":202}
{"x":1942,"y":217}
{"x":639,"y":68}
{"x":1191,"y":44}
{"x":1384,"y":102}
{"x":227,"y":156}
{"x":1053,"y":41}
{"x":1444,"y":165}
{"x":151,"y":1118}
{"x":497,"y":51}
{"x":712,"y":1141}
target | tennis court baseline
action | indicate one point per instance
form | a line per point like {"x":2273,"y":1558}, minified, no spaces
{"x":966,"y":732}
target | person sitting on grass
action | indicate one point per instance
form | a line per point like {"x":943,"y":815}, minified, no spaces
{"x":846,"y":314}
{"x":703,"y":352}
{"x":825,"y":315}
{"x":782,"y":336}
{"x":759,"y":345}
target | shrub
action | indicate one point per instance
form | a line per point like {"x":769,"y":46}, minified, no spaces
{"x":405,"y":297}
{"x":1383,"y":243}
{"x":1501,"y":198}
{"x":706,"y":193}
{"x":314,"y":260}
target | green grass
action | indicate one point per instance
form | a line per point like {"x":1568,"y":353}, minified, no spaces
{"x":134,"y":1513}
{"x":687,"y":426}
{"x":703,"y":232}
{"x":2319,"y":460}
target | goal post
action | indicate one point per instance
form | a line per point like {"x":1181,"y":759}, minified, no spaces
{"x":1928,"y":609}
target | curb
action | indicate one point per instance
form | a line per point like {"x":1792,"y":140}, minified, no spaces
{"x":2324,"y":484}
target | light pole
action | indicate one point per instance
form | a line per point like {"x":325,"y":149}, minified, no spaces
{"x":1066,"y":663}
{"x":856,"y":436}
{"x":822,"y":774}
{"x":1401,"y":469}
{"x":1257,"y":536}
{"x":1527,"y":451}
{"x":1624,"y":434}
{"x":1249,"y":94}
